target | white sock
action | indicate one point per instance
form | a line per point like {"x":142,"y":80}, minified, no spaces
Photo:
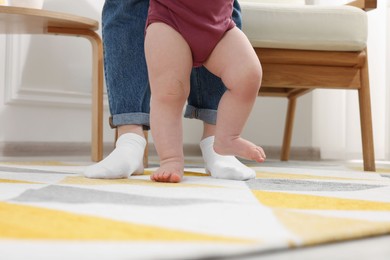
{"x":125,"y":160}
{"x":223,"y":166}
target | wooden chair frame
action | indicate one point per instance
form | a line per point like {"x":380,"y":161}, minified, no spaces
{"x":19,"y":20}
{"x":293,"y":73}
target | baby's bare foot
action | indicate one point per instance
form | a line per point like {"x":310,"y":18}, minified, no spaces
{"x":168,"y":172}
{"x":241,"y":148}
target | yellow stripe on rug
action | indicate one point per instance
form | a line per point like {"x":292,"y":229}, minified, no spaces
{"x":377,"y":170}
{"x":316,"y":229}
{"x":17,"y":181}
{"x":303,"y":201}
{"x":28,"y":222}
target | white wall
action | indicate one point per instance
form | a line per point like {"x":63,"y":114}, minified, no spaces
{"x":45,"y":94}
{"x":336,"y":122}
{"x":46,"y":87}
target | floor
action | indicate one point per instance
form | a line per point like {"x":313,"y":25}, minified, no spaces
{"x":377,"y":248}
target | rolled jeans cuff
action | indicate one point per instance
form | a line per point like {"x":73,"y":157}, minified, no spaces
{"x":208,"y":116}
{"x":130,"y":119}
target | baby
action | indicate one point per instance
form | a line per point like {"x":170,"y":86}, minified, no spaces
{"x":182,"y":34}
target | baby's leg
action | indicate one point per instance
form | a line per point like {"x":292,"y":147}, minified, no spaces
{"x":235,"y":62}
{"x":169,"y":61}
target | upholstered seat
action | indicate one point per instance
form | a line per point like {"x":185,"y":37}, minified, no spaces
{"x":307,"y":27}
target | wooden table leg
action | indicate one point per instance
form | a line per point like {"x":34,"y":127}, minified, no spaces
{"x":97,"y":85}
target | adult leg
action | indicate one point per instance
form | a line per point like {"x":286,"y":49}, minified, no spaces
{"x":169,"y":63}
{"x":206,"y":92}
{"x":123,"y":25}
{"x":243,"y":83}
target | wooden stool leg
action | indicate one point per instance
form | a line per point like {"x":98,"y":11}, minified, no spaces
{"x":366,"y":120}
{"x":116,"y":135}
{"x":97,"y":100}
{"x":146,"y":153}
{"x":288,"y":128}
{"x":97,"y":85}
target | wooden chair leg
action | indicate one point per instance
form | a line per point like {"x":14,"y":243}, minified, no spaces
{"x":288,"y":128}
{"x":366,"y":120}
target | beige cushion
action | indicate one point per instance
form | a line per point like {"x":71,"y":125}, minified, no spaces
{"x":340,"y":28}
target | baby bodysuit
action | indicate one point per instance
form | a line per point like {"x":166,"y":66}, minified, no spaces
{"x":202,"y":23}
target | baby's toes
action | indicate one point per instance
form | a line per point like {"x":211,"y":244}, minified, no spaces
{"x":258,"y":154}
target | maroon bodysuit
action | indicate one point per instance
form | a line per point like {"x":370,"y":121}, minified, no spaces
{"x":202,"y":23}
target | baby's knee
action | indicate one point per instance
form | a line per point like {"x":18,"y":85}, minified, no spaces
{"x":249,"y":82}
{"x":170,"y":89}
{"x":254,"y":77}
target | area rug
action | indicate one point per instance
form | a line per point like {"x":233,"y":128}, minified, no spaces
{"x":49,"y":211}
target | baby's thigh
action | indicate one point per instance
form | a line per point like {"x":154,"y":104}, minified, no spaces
{"x":166,"y":51}
{"x":233,"y":56}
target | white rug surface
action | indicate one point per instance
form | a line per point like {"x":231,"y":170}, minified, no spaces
{"x":49,"y":211}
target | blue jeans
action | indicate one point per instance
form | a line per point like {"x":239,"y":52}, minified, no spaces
{"x":123,"y":29}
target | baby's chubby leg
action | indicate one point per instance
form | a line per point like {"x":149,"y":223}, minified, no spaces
{"x":236,"y":63}
{"x":169,"y":63}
